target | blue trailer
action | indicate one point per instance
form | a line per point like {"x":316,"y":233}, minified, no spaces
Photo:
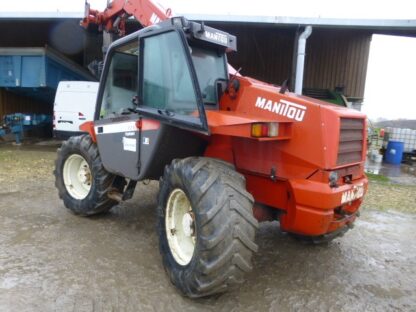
{"x":36,"y":72}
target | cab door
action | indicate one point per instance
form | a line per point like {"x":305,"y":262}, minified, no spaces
{"x":149,"y":105}
{"x":170,"y":98}
{"x":169,"y":89}
{"x":115,"y":119}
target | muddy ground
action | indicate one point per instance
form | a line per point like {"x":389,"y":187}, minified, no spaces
{"x":51,"y":260}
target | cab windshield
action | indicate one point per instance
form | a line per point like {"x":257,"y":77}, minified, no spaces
{"x":210,"y":66}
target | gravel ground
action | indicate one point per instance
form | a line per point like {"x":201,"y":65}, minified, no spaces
{"x":51,"y":260}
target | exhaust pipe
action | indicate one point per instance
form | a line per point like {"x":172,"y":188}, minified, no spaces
{"x":300,"y":63}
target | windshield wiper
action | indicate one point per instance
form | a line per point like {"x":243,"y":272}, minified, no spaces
{"x":128,"y":111}
{"x":166,"y":112}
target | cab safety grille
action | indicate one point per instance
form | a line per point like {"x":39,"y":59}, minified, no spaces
{"x":351,"y":141}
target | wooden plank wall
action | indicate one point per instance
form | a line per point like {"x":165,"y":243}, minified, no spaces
{"x":14,"y":103}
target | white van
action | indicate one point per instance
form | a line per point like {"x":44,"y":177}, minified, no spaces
{"x":74,"y":105}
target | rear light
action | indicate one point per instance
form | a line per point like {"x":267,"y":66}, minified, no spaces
{"x":80,"y":114}
{"x":139,"y":124}
{"x":265,"y":129}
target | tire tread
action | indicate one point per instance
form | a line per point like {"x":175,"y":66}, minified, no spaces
{"x":224,"y":252}
{"x":97,"y":201}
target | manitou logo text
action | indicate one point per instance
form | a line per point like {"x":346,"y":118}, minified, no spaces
{"x":221,"y":38}
{"x":356,"y":192}
{"x":283,"y":108}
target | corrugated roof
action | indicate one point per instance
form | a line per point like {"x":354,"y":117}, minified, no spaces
{"x":313,"y":21}
{"x":40,"y":15}
{"x":380,"y":24}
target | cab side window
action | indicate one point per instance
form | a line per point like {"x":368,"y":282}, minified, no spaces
{"x":167,"y":82}
{"x":121,"y":81}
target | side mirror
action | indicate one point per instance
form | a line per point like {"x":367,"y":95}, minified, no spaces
{"x":233,"y":87}
{"x":135,"y":100}
{"x":220,"y":87}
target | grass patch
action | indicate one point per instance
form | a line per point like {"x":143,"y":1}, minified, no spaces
{"x":377,"y":177}
{"x":18,"y":167}
{"x":383,"y":195}
{"x":387,"y":196}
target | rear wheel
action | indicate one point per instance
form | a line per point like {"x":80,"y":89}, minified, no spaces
{"x":206,"y":226}
{"x":81,"y":180}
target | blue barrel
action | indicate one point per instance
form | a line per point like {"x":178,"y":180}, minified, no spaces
{"x":394,"y":152}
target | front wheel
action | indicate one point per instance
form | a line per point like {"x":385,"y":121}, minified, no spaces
{"x":206,"y":226}
{"x":81,"y":180}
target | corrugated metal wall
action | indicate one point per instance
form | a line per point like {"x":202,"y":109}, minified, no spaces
{"x":13,"y":103}
{"x":334,"y":57}
{"x":264,"y":53}
{"x":337,"y":57}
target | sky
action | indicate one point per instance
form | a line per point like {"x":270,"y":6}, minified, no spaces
{"x":391,"y":78}
{"x":391,"y":71}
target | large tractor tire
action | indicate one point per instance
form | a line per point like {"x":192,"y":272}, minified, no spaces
{"x":81,"y":180}
{"x":206,"y":226}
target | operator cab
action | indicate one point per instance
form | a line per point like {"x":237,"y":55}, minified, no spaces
{"x":166,"y":75}
{"x":208,"y":47}
{"x":178,"y":65}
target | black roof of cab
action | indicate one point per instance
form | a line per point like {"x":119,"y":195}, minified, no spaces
{"x":197,"y":33}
